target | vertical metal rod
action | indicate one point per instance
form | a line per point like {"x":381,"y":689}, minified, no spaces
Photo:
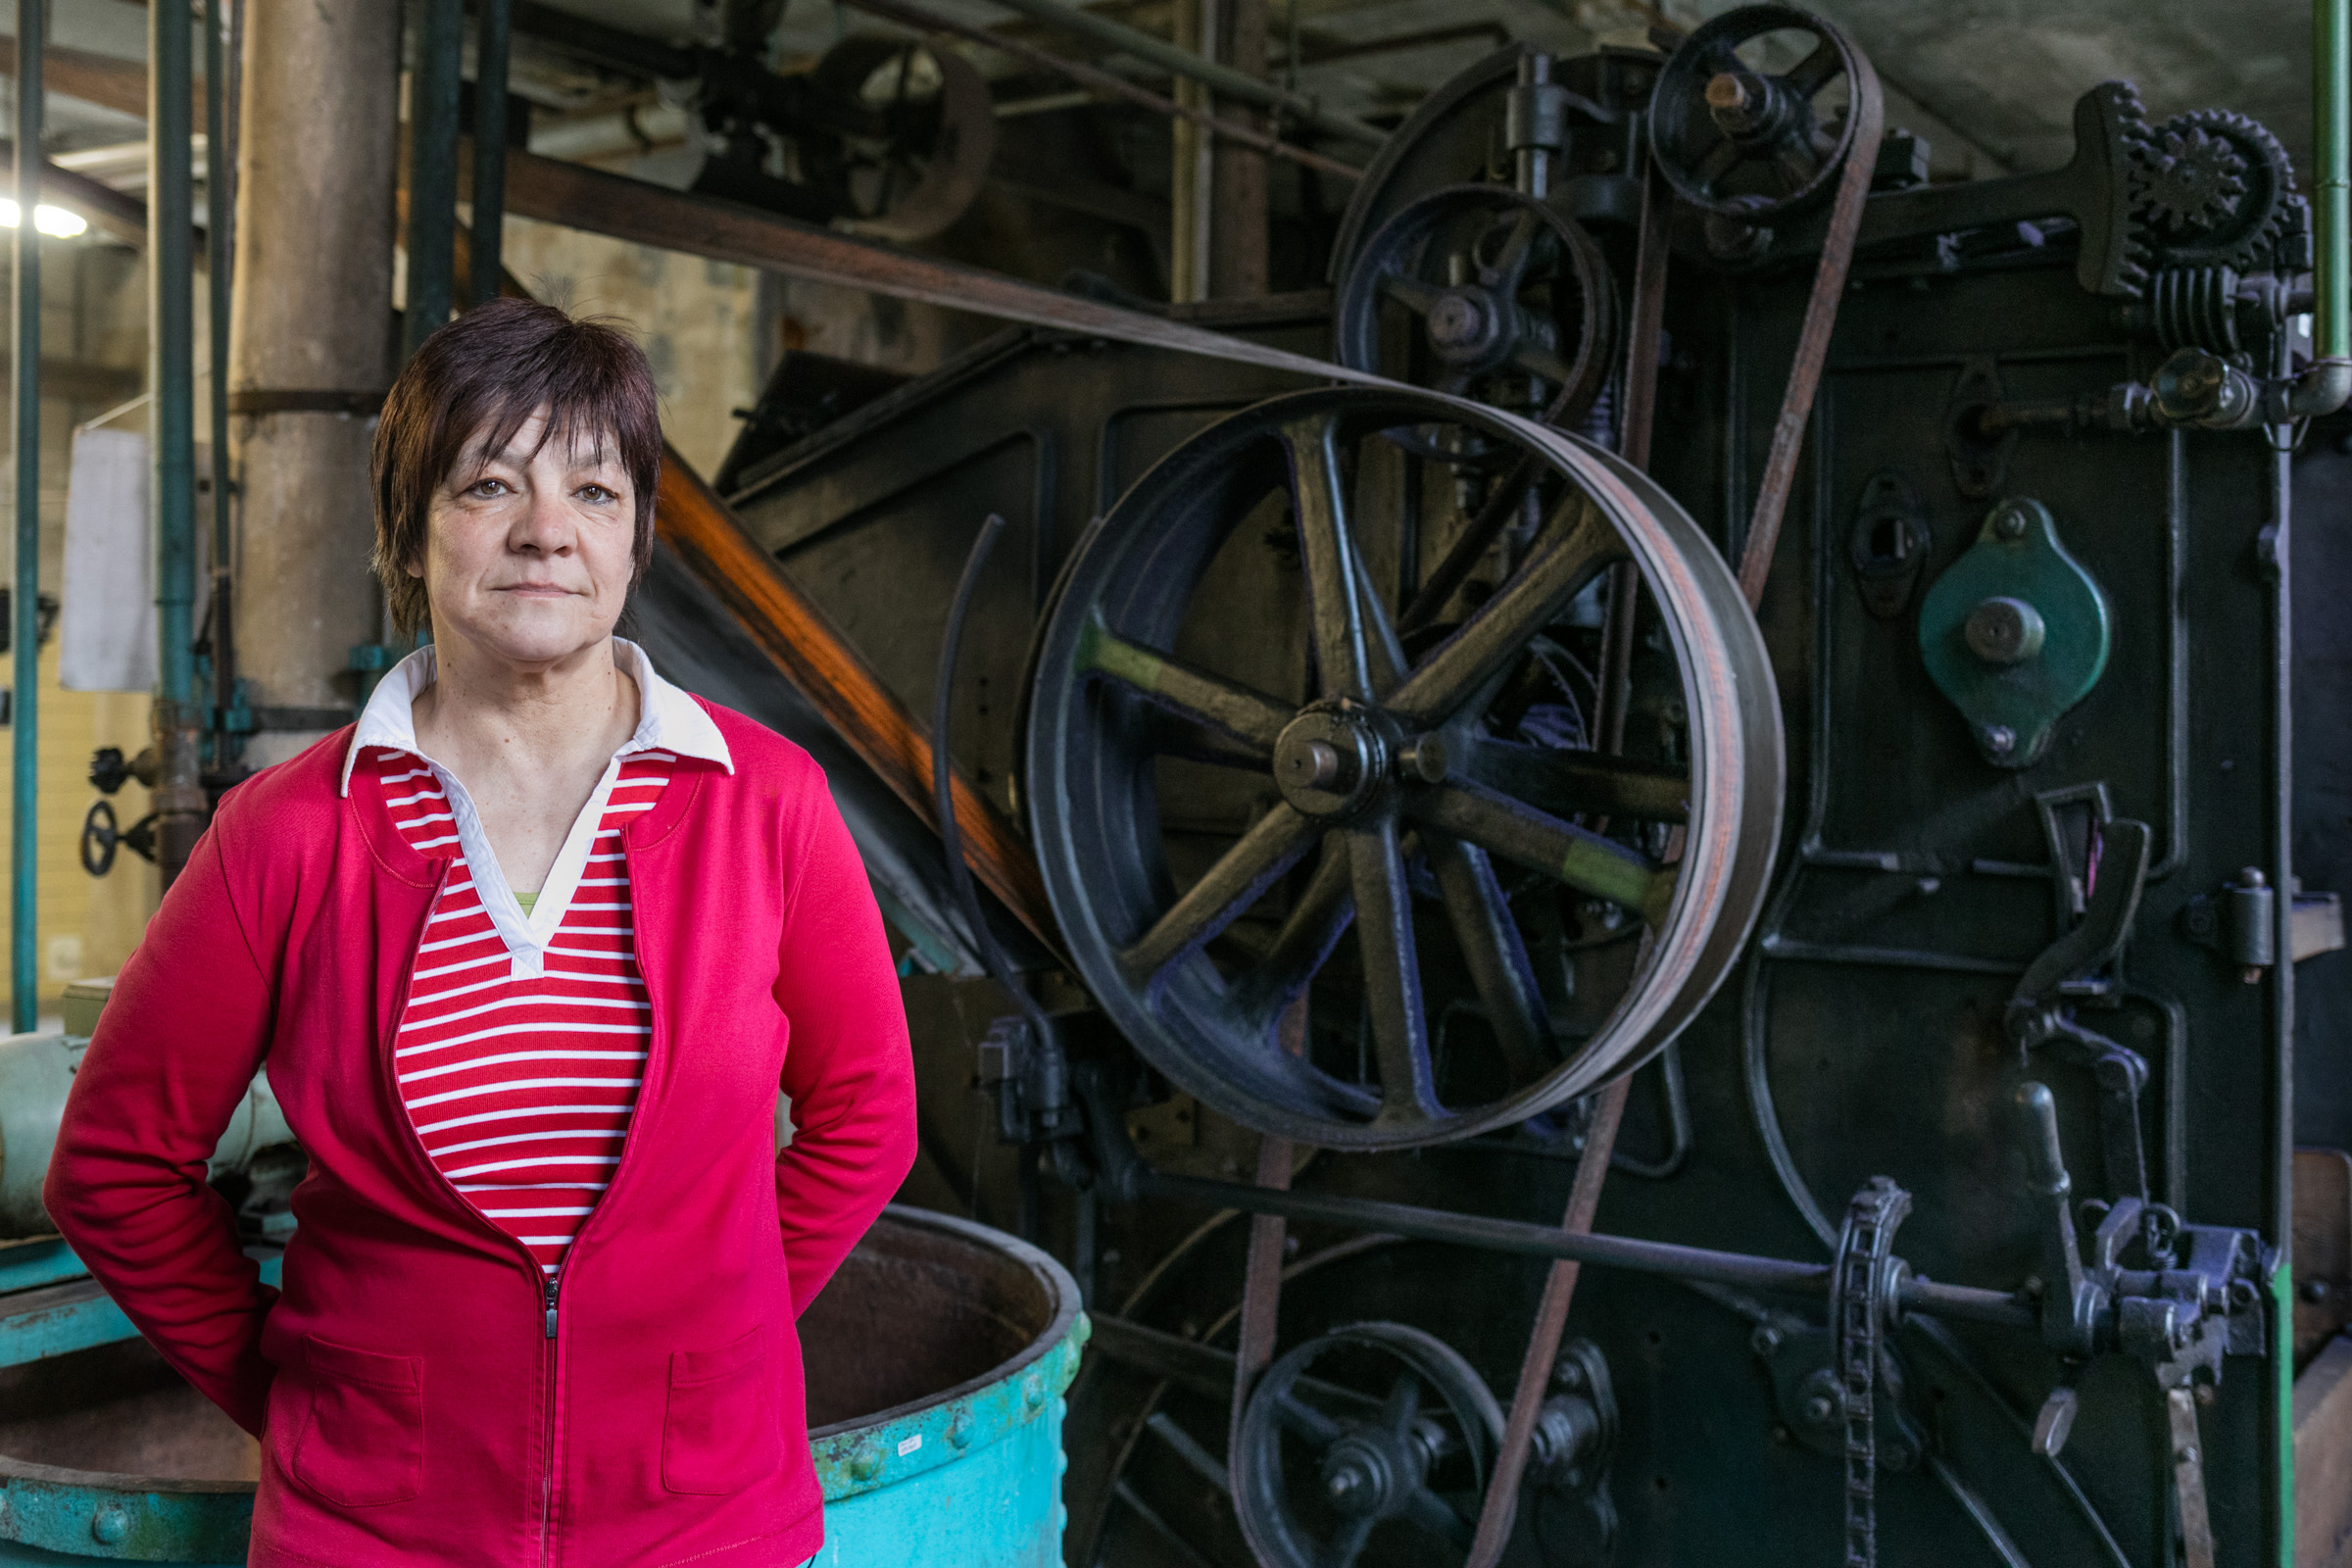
{"x":489,"y":149}
{"x":172,"y":343}
{"x":220,"y":175}
{"x":2331,"y":126}
{"x":433,"y":168}
{"x":25,"y":781}
{"x":179,"y":800}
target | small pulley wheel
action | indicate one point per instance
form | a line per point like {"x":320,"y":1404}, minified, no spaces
{"x":99,"y":836}
{"x":1233,"y":759}
{"x":1753,"y":114}
{"x":1394,"y":1432}
{"x":1501,"y":296}
{"x":939,"y":135}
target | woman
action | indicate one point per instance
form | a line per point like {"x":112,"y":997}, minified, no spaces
{"x":528,"y":953}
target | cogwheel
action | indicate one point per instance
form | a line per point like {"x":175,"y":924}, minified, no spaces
{"x":2192,"y":183}
{"x":2210,"y":188}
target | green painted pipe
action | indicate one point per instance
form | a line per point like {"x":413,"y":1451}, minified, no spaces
{"x":2331,"y":123}
{"x":172,"y":342}
{"x":25,"y":781}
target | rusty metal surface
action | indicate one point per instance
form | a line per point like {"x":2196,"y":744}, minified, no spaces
{"x":2323,"y":1250}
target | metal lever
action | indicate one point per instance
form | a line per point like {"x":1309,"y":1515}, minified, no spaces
{"x":2038,"y":1017}
{"x":2069,"y":1303}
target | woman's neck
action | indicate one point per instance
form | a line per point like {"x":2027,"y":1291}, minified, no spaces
{"x":486,"y":719}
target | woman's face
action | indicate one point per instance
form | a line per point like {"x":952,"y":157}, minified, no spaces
{"x":527,"y":552}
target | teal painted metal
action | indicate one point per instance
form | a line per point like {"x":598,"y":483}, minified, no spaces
{"x":2015,"y":632}
{"x":171,"y":345}
{"x":25,"y":780}
{"x":57,"y":1319}
{"x":967,"y":1477}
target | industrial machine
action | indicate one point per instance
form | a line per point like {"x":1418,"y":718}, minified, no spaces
{"x":1805,"y":646}
{"x":1686,"y":920}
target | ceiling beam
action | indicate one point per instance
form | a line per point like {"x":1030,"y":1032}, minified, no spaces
{"x":107,"y":80}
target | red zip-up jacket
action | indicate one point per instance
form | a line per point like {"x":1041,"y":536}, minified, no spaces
{"x":416,"y":1400}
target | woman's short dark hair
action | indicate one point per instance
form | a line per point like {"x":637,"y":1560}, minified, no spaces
{"x":486,"y":373}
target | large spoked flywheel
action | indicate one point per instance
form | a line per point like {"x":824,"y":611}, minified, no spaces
{"x":1233,"y":760}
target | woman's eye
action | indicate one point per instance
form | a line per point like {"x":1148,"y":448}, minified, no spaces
{"x":487,"y":489}
{"x":597,"y":493}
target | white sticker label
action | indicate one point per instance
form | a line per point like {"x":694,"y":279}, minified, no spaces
{"x":910,"y":1445}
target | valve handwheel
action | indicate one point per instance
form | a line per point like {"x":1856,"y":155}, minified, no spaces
{"x":1735,"y":138}
{"x":1510,"y":302}
{"x":1391,"y":793}
{"x":1323,"y":1462}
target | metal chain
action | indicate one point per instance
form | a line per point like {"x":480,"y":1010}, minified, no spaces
{"x":1860,"y":1316}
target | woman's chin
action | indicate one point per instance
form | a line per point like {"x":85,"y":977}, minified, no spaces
{"x":535,"y":635}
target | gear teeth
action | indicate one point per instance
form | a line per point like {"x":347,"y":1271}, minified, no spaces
{"x":2232,"y":212}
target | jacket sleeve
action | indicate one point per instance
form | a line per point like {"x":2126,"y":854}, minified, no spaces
{"x":182,"y":1037}
{"x":847,"y":1064}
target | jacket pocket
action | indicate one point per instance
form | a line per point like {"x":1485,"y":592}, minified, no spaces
{"x":361,"y":1440}
{"x":720,"y":1432}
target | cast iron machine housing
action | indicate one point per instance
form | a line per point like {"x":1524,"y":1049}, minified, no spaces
{"x":1959,"y":1205}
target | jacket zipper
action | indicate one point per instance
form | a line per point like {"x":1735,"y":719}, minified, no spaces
{"x":553,"y":1282}
{"x":416,"y":1146}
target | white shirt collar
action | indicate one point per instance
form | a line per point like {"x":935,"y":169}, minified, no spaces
{"x":668,"y":720}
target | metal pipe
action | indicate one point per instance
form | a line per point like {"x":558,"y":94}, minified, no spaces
{"x":1100,"y":80}
{"x":179,"y":800}
{"x":1737,"y":1271}
{"x":2331,"y":196}
{"x":489,"y":150}
{"x":433,"y":168}
{"x":26,"y":629}
{"x":218,"y":188}
{"x":1223,"y":80}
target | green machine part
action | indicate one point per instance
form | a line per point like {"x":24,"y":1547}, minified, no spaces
{"x":2015,"y":633}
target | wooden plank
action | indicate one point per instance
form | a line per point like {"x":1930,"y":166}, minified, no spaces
{"x":2324,"y":1459}
{"x":2323,"y":1250}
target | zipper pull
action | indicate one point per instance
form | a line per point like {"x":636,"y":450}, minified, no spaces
{"x":551,"y":1305}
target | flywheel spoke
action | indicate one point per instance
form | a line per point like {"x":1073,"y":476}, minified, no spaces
{"x":1797,"y":162}
{"x":1307,"y":1421}
{"x":1347,"y":1545}
{"x":1211,"y":701}
{"x":1717,"y":164}
{"x":1571,"y":783}
{"x":1536,"y":359}
{"x":1305,"y":938}
{"x":1384,"y":933}
{"x":1817,"y":69}
{"x":1511,"y":264}
{"x":1230,"y":886}
{"x":1584,"y":861}
{"x":1435,"y":1515}
{"x":1334,"y":585}
{"x":1382,"y":645}
{"x":1404,"y":1403}
{"x":1411,"y":292}
{"x":1575,"y":542}
{"x":1496,"y":955}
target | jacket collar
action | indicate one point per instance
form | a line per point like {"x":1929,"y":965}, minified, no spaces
{"x":668,"y":720}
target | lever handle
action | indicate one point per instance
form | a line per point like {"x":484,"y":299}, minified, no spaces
{"x":2045,"y":1163}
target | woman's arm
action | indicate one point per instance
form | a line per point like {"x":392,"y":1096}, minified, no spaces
{"x":177,"y":1048}
{"x":847,"y":1065}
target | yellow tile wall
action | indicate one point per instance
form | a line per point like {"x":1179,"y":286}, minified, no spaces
{"x":87,"y":925}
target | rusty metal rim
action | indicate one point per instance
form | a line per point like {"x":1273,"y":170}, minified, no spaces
{"x":1061,"y":1291}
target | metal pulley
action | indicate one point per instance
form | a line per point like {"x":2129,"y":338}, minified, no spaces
{"x":1323,"y":1462}
{"x":1213,"y":813}
{"x":1757,"y":110}
{"x":1487,"y":292}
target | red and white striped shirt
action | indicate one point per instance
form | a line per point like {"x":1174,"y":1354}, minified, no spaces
{"x":523,"y":1042}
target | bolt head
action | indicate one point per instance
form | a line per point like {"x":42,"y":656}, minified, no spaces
{"x":1998,"y":739}
{"x":109,"y":1526}
{"x":2010,"y":523}
{"x":2002,"y":630}
{"x":1818,"y":1409}
{"x":1765,"y":1340}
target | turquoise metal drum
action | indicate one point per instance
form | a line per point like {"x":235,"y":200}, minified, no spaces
{"x":937,"y":1362}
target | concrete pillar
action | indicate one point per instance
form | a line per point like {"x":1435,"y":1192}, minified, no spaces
{"x":311,"y":347}
{"x":1238,"y":232}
